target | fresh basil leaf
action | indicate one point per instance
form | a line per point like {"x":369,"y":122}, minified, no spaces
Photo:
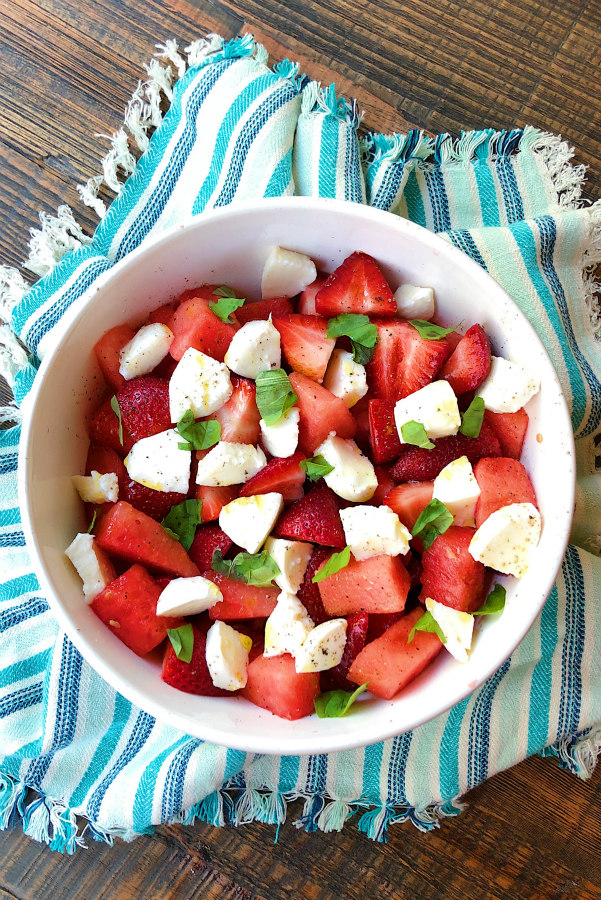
{"x":182,"y":641}
{"x":117,"y":411}
{"x":224,"y":308}
{"x":93,"y":522}
{"x":316,"y":467}
{"x":258,"y":569}
{"x":494,"y":603}
{"x":336,"y":562}
{"x":429,"y":331}
{"x":432,"y":521}
{"x":224,"y":291}
{"x":334,"y":704}
{"x":361,"y":353}
{"x":472,"y":418}
{"x":362,"y":332}
{"x":275,"y":395}
{"x":171,"y":533}
{"x":427,"y":623}
{"x":414,"y":433}
{"x":198,"y":435}
{"x":182,"y":521}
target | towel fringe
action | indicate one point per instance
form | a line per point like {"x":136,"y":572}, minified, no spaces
{"x":318,"y":100}
{"x":577,"y":753}
{"x":58,"y":236}
{"x":334,"y":815}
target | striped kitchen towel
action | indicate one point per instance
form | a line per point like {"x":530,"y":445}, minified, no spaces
{"x":75,"y":757}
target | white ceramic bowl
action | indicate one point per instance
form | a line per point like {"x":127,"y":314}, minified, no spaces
{"x":230,"y":246}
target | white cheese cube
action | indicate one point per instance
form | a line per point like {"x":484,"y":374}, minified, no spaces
{"x":188,"y":596}
{"x":345,"y":378}
{"x":353,"y":477}
{"x":292,"y":558}
{"x":97,"y":488}
{"x":508,"y":386}
{"x":323,"y":647}
{"x":254,"y":348}
{"x":286,"y":273}
{"x":248,"y":520}
{"x":505,"y":541}
{"x":93,"y":565}
{"x":435,"y":406}
{"x":374,"y":531}
{"x":199,"y":383}
{"x":158,"y":463}
{"x":456,"y":626}
{"x":281,"y":439}
{"x":287,"y":627}
{"x":226,"y":654}
{"x":148,"y":347}
{"x":413,"y":302}
{"x":230,"y":463}
{"x":457,"y":488}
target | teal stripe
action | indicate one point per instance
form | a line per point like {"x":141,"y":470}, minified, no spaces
{"x":449,"y":751}
{"x":234,"y":763}
{"x":143,"y":801}
{"x":372,"y":764}
{"x":25,"y":668}
{"x":289,"y":769}
{"x":489,"y":207}
{"x":280,"y":177}
{"x":12,"y":764}
{"x":25,"y":584}
{"x":10,"y":517}
{"x":104,"y":751}
{"x":328,"y":156}
{"x":413,"y":198}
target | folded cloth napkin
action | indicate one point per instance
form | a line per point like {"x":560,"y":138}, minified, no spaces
{"x":69,"y":745}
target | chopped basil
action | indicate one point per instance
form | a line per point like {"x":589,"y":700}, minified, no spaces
{"x":93,"y":522}
{"x":362,"y":332}
{"x":226,"y":305}
{"x":334,"y":704}
{"x":427,"y":623}
{"x":432,"y":521}
{"x":275,"y":395}
{"x":182,"y":520}
{"x":198,"y":435}
{"x":336,"y":562}
{"x":117,"y":411}
{"x":258,"y":569}
{"x":316,"y":467}
{"x":472,"y":418}
{"x":182,"y":641}
{"x":429,"y":331}
{"x":494,"y":603}
{"x":414,"y":433}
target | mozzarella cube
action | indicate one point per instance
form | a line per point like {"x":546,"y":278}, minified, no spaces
{"x":292,"y":558}
{"x":506,"y":539}
{"x":158,"y":463}
{"x":200,"y":384}
{"x":229,"y":463}
{"x":353,"y":477}
{"x":413,"y":302}
{"x":374,"y":531}
{"x":188,"y":596}
{"x":249,"y":520}
{"x":286,"y":273}
{"x":287,"y":627}
{"x":148,"y":347}
{"x":97,"y":488}
{"x":508,"y":386}
{"x":456,"y":626}
{"x":345,"y":378}
{"x":323,"y":647}
{"x":254,"y":348}
{"x":226,"y":654}
{"x":435,"y":406}
{"x":457,"y":488}
{"x":92,"y":564}
{"x":281,"y":439}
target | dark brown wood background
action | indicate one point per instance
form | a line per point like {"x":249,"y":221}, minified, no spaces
{"x":66,"y":72}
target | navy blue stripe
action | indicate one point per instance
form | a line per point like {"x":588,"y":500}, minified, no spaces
{"x":438,"y":199}
{"x":27,"y":610}
{"x":511,"y":193}
{"x":12,"y":539}
{"x":8,"y":463}
{"x":352,"y":186}
{"x":463,"y":240}
{"x":173,"y":792}
{"x":573,"y":646}
{"x":21,"y":699}
{"x":398,"y":767}
{"x":479,"y":732}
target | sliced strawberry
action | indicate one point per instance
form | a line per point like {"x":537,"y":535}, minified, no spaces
{"x":360,"y":413}
{"x":284,"y":476}
{"x":239,"y":417}
{"x":144,"y":405}
{"x":104,"y":429}
{"x":308,"y":593}
{"x":165,"y":368}
{"x":356,"y":634}
{"x":163,"y":314}
{"x":403,"y":361}
{"x":103,"y":459}
{"x":262,"y":309}
{"x":409,"y":500}
{"x":214,"y":499}
{"x":193,"y":677}
{"x":306,"y":299}
{"x":108,"y":350}
{"x":155,"y":504}
{"x":194,"y":324}
{"x":501,"y":481}
{"x":379,"y":584}
{"x":450,"y":574}
{"x":384,"y":437}
{"x":418,"y":464}
{"x":469,"y":363}
{"x":510,"y":428}
{"x":207,"y":539}
{"x":305,"y":345}
{"x":385,"y":485}
{"x":315,"y":517}
{"x":320,"y":413}
{"x":356,"y":286}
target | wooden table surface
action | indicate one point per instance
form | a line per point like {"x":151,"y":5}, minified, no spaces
{"x":67,"y":70}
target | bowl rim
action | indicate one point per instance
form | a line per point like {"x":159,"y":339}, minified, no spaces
{"x":324,"y":742}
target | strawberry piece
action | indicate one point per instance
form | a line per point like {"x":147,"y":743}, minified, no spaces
{"x":501,"y":481}
{"x":356,"y":634}
{"x":379,"y":584}
{"x":108,"y":350}
{"x":165,"y":368}
{"x":194,"y":324}
{"x":104,"y":429}
{"x":128,"y":607}
{"x":409,"y":500}
{"x":403,"y":361}
{"x":155,"y":504}
{"x":360,"y":413}
{"x":274,"y":684}
{"x":132,"y":535}
{"x":306,"y":299}
{"x":144,"y":405}
{"x":308,"y":593}
{"x":510,"y":428}
{"x":469,"y":363}
{"x":356,"y":286}
{"x":103,"y":459}
{"x":214,"y":499}
{"x":305,"y":345}
{"x":320,"y":413}
{"x":385,"y":485}
{"x":163,"y":315}
{"x":315,"y":517}
{"x":193,"y":677}
{"x":283,"y":476}
{"x":241,"y":600}
{"x":239,"y":417}
{"x":381,"y":622}
{"x":262,"y":309}
{"x":450,"y":574}
{"x":207,"y":539}
{"x":418,"y":464}
{"x":384,"y":437}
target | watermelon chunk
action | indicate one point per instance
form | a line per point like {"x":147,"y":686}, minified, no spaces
{"x":320,"y":413}
{"x":262,"y":309}
{"x":108,"y":350}
{"x":194,"y":324}
{"x":379,"y":584}
{"x":240,"y":600}
{"x":274,"y":684}
{"x":510,"y":429}
{"x":501,"y":481}
{"x":305,"y":345}
{"x":450,"y":574}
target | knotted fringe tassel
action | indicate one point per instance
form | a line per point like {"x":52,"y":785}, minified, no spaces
{"x":317,"y":99}
{"x":43,"y":819}
{"x":214,"y":809}
{"x":577,"y":754}
{"x":334,"y":815}
{"x":58,"y":236}
{"x":377,"y":149}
